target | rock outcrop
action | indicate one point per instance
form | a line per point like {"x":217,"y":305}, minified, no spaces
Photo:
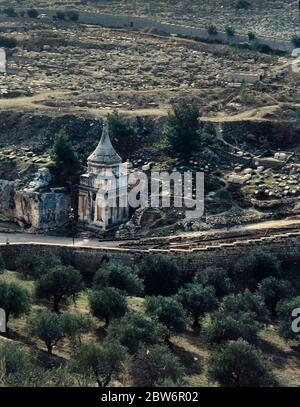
{"x":33,"y":210}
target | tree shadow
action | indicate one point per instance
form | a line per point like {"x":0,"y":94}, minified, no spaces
{"x":279,"y":356}
{"x":192,"y":363}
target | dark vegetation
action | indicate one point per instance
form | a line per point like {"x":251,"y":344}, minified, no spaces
{"x":138,"y":343}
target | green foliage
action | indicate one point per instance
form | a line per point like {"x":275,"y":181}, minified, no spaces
{"x":161,"y":275}
{"x":168,"y":312}
{"x":296,"y":40}
{"x":75,"y":325}
{"x":153,"y":365}
{"x":182,"y":129}
{"x":59,"y":284}
{"x":284,"y":311}
{"x":36,"y":266}
{"x":32,"y":13}
{"x":8,"y":42}
{"x":15,"y":364}
{"x":117,"y":275}
{"x":46,"y":326}
{"x":198,"y":300}
{"x":239,"y":364}
{"x":230,"y":31}
{"x":100,"y":362}
{"x":2,"y":264}
{"x":252,"y":269}
{"x":225,"y":326}
{"x":72,"y":15}
{"x":251,"y":36}
{"x":10,"y":12}
{"x":124,"y":133}
{"x":51,"y":327}
{"x":246,"y":302}
{"x":216,"y":277}
{"x":14,"y":299}
{"x":60,"y":15}
{"x":107,"y":304}
{"x":134,"y":330}
{"x":273,"y":290}
{"x":212,"y":30}
{"x":64,"y":155}
{"x":242,"y":4}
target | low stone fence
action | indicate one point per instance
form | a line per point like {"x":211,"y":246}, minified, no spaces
{"x":88,"y":259}
{"x":121,"y":21}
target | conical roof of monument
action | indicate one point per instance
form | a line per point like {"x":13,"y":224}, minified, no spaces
{"x":105,"y":153}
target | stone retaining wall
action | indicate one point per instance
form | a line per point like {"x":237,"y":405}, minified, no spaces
{"x":119,"y":21}
{"x":88,"y":259}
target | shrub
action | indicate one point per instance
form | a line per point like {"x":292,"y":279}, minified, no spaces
{"x":296,"y":40}
{"x":263,"y":48}
{"x":32,"y":13}
{"x":2,"y":264}
{"x":230,"y":31}
{"x":59,"y":284}
{"x":10,"y":12}
{"x":6,"y":42}
{"x":15,"y":364}
{"x":60,"y":15}
{"x":14,"y":299}
{"x":239,"y":364}
{"x":134,"y":330}
{"x":108,"y":303}
{"x":251,"y":36}
{"x":242,"y":4}
{"x":161,"y":275}
{"x":197,"y":300}
{"x":168,"y":312}
{"x":212,"y":30}
{"x":154,"y":365}
{"x":72,"y":15}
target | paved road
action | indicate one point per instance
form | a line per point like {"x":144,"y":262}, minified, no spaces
{"x":267,"y":227}
{"x":55,"y":240}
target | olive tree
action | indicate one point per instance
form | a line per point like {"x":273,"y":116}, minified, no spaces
{"x":153,"y":365}
{"x":239,"y":364}
{"x":134,"y":329}
{"x":100,"y":362}
{"x":107,"y":304}
{"x":197,"y":300}
{"x":59,"y":284}
{"x":14,"y":299}
{"x":168,"y":312}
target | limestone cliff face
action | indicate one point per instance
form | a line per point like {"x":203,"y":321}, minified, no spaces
{"x":33,"y":210}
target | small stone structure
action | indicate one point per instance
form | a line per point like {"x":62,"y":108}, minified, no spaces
{"x":103,"y":189}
